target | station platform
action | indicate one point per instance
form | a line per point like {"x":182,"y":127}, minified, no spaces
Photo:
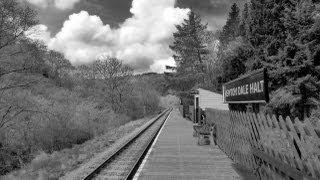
{"x":176,"y":155}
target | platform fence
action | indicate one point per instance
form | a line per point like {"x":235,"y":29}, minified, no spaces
{"x":270,"y":147}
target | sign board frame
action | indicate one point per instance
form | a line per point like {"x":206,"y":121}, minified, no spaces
{"x":246,"y":97}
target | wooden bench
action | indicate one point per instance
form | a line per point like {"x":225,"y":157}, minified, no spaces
{"x":203,"y":133}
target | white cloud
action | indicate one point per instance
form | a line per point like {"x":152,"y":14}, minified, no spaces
{"x":83,"y":38}
{"x":39,"y":32}
{"x":141,"y":41}
{"x":60,"y":4}
{"x":160,"y":65}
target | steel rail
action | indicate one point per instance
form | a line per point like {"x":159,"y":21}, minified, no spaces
{"x":137,"y":164}
{"x":128,"y":143}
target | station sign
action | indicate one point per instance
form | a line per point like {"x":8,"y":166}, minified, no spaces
{"x":251,"y":88}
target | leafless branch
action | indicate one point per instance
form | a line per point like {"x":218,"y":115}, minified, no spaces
{"x":17,"y":85}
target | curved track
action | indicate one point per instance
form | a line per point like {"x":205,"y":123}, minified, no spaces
{"x":124,"y":163}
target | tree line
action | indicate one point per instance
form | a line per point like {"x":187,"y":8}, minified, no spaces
{"x":281,"y":36}
{"x":47,"y":104}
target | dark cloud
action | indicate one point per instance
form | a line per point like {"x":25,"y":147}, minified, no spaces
{"x":213,"y":12}
{"x":114,"y":12}
{"x":205,"y":6}
{"x":212,"y":7}
{"x":111,"y":12}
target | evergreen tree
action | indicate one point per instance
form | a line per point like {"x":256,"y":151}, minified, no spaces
{"x":234,"y":61}
{"x":188,"y":45}
{"x":244,"y":27}
{"x":295,"y":71}
{"x":233,"y":51}
{"x":284,"y":37}
{"x":231,"y":30}
{"x":234,"y":57}
{"x":267,"y":33}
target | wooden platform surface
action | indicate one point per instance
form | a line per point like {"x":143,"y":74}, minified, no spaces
{"x":176,"y":155}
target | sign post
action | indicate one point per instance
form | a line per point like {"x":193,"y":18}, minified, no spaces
{"x":249,"y":89}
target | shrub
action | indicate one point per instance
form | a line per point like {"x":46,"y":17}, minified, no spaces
{"x":315,"y":116}
{"x":57,"y":119}
{"x":134,"y":107}
{"x":44,"y":161}
{"x":169,"y":101}
{"x":54,"y":118}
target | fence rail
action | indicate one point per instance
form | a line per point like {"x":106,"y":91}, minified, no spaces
{"x":272,"y":148}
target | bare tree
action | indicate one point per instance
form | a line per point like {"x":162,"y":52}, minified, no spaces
{"x":15,"y":20}
{"x":58,"y":67}
{"x":116,"y":77}
{"x":57,"y":62}
{"x":17,"y":55}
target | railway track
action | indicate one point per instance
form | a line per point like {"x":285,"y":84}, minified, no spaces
{"x":124,"y":162}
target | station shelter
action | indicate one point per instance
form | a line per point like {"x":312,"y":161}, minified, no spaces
{"x":207,"y":99}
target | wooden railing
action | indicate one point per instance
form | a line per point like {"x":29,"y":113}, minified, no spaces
{"x":272,"y":148}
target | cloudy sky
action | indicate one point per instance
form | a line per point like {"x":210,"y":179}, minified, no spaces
{"x":135,"y":31}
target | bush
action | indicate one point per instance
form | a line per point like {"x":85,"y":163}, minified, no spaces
{"x":134,"y":107}
{"x":169,"y":101}
{"x":315,"y":116}
{"x":48,"y":118}
{"x":51,"y":120}
{"x":44,"y":161}
{"x":145,"y":101}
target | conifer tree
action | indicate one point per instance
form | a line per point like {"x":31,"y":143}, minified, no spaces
{"x":231,"y":30}
{"x":233,"y":51}
{"x":284,"y":37}
{"x":267,"y":32}
{"x":295,"y":71}
{"x":188,"y":45}
{"x":243,"y":27}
